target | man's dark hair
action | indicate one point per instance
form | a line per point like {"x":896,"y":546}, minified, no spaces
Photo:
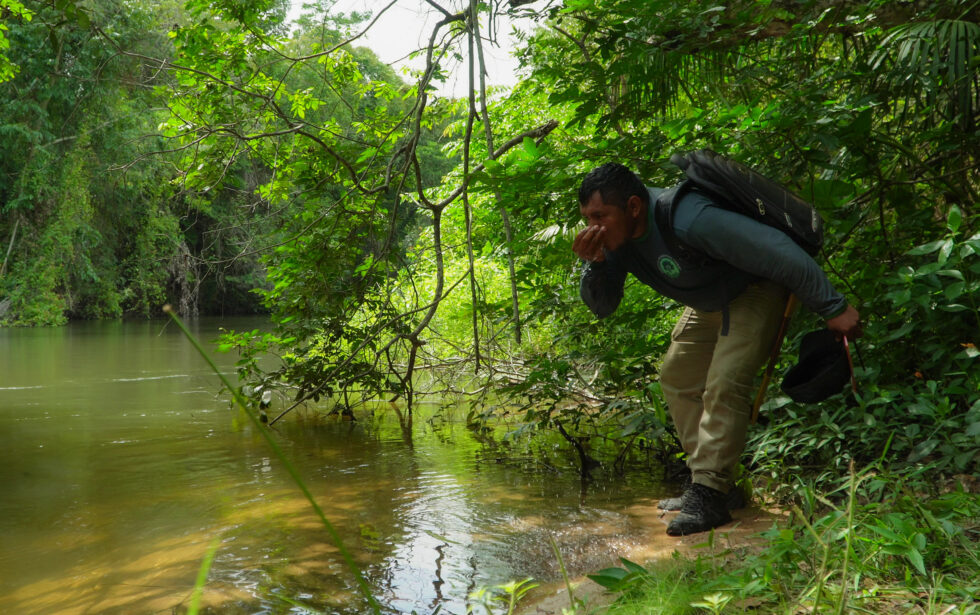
{"x":615,"y":183}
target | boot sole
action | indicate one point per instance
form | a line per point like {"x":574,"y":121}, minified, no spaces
{"x":684,"y":525}
{"x":734,"y":502}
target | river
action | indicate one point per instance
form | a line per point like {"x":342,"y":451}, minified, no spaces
{"x":120,"y":464}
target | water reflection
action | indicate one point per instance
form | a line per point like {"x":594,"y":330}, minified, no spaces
{"x":119,"y":466}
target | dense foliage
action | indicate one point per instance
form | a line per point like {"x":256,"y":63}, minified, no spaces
{"x":388,"y":229}
{"x":95,"y":222}
{"x":867,"y":109}
{"x":406,"y":243}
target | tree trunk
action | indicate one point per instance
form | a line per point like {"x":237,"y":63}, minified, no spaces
{"x":10,"y":247}
{"x":467,"y":210}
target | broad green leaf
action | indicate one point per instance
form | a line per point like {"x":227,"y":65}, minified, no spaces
{"x":954,"y":219}
{"x":922,"y":450}
{"x":610,"y":578}
{"x":531,"y":147}
{"x":945,"y":251}
{"x":928,"y":248}
{"x":902,"y":331}
{"x":969,"y":352}
{"x":915,"y":557}
{"x":954,"y":290}
{"x":632,"y":566}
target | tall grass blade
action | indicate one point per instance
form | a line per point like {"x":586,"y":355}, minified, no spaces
{"x":851,"y":497}
{"x":348,"y":558}
{"x":564,"y":571}
{"x":202,"y":577}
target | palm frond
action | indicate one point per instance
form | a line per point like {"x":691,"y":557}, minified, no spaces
{"x":933,"y":63}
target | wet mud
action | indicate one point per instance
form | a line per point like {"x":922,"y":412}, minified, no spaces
{"x":650,"y":544}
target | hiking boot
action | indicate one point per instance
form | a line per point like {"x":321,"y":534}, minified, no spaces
{"x":673,"y":504}
{"x":734,"y":499}
{"x":704,"y":508}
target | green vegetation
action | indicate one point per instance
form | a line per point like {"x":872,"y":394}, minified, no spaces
{"x":399,"y":240}
{"x":897,"y":553}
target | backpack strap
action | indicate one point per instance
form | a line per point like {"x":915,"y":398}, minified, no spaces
{"x":742,"y":189}
{"x":664,"y":216}
{"x":663,"y":212}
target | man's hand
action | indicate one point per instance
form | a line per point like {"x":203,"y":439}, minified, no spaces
{"x":847,"y":323}
{"x":588,"y":244}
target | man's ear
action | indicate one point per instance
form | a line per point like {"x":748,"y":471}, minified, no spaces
{"x":634,"y":206}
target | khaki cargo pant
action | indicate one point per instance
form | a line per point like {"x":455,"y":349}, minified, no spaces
{"x":707,"y":379}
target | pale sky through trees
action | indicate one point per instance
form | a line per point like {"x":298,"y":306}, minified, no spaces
{"x":407,"y":25}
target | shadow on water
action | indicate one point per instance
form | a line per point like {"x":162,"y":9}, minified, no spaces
{"x":120,"y":465}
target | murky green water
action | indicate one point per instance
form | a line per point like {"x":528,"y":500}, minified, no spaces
{"x":119,"y":466}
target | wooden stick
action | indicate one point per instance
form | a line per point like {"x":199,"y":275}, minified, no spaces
{"x":791,"y":304}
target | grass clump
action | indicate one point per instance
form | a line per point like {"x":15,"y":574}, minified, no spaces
{"x":664,"y":588}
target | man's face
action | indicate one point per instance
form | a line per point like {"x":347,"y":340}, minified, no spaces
{"x":620,"y":225}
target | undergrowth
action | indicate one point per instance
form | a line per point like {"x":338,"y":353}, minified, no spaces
{"x":860,"y":551}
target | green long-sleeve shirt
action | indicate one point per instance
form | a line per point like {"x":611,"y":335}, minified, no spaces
{"x":741,"y":250}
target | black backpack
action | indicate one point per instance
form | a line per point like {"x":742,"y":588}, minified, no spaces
{"x":736,"y":187}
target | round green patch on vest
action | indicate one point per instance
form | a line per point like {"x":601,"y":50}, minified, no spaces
{"x":668,"y":266}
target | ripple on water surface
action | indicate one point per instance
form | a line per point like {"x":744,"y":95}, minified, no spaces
{"x":119,"y":474}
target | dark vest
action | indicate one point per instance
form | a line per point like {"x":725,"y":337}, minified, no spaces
{"x":686,"y":276}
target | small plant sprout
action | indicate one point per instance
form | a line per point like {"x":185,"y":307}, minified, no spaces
{"x":713,"y":602}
